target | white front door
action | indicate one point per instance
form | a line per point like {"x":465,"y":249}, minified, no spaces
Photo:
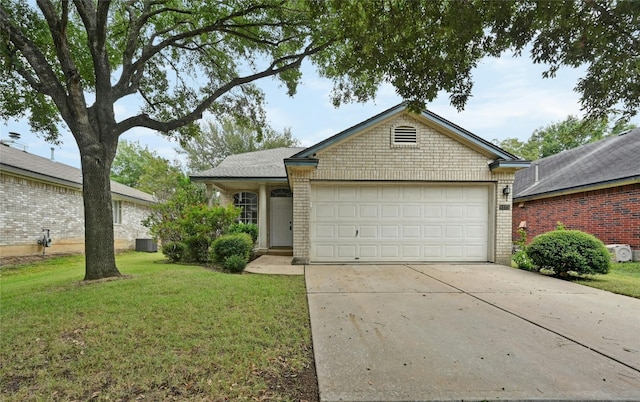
{"x":399,"y":222}
{"x":281,"y":221}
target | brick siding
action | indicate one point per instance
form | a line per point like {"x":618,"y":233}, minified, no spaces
{"x":29,"y":205}
{"x":612,"y":214}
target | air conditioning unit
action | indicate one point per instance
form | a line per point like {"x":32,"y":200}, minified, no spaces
{"x":619,"y":252}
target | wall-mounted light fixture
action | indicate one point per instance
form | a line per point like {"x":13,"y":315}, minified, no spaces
{"x":506,"y":191}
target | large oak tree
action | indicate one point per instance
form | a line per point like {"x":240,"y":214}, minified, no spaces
{"x":68,"y":63}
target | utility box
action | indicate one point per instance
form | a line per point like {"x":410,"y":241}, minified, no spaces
{"x":147,"y":245}
{"x":619,"y":252}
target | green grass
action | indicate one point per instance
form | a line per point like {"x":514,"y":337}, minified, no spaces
{"x":623,"y":278}
{"x":166,"y":332}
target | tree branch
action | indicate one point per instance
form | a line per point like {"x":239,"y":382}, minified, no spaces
{"x":293,"y":61}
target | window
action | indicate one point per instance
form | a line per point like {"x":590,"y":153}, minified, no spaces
{"x":116,"y":206}
{"x":404,"y":135}
{"x":248,"y":202}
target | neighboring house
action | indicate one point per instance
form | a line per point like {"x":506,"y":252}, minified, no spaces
{"x":37,"y":193}
{"x":398,"y":187}
{"x":594,"y":188}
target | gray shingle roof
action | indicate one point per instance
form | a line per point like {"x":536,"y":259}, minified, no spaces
{"x":26,"y":164}
{"x":259,"y":164}
{"x":611,"y":160}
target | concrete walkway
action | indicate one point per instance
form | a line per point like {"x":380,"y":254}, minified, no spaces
{"x":468,"y":332}
{"x":274,"y":265}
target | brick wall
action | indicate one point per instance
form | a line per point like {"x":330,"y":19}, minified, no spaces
{"x":371,"y":156}
{"x":27,"y":206}
{"x":612,"y":214}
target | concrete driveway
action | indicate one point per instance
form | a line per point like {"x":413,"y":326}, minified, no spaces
{"x":468,"y":332}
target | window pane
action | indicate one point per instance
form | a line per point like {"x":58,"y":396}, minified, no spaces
{"x":249,"y":203}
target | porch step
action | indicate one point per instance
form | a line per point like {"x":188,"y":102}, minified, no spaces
{"x":285,"y":251}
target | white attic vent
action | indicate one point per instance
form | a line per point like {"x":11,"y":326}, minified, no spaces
{"x":405,"y":135}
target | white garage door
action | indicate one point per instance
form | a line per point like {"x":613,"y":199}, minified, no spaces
{"x":379,"y":222}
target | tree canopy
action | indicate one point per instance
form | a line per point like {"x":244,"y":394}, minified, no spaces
{"x":68,"y":64}
{"x":141,"y":168}
{"x":561,"y":136}
{"x":217,"y":140}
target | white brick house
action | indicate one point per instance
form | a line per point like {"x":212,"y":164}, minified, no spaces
{"x":397,"y":187}
{"x":37,"y":193}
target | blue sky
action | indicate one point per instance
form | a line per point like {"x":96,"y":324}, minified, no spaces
{"x":510,"y":99}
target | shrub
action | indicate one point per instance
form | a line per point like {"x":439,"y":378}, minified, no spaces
{"x":239,"y":244}
{"x":569,"y":250}
{"x":520,"y":257}
{"x":249,"y":228}
{"x":197,"y":248}
{"x":234,"y":263}
{"x":174,"y":250}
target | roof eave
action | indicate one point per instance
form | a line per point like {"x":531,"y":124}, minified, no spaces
{"x":508,"y":165}
{"x":579,"y":189}
{"x":236,"y":178}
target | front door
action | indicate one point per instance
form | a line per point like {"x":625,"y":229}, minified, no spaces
{"x":281,"y":221}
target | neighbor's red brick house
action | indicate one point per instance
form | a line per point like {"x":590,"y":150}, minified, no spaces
{"x":594,"y":188}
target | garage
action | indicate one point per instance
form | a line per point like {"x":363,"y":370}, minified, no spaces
{"x":393,"y":222}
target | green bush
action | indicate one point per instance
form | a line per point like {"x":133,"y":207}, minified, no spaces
{"x":197,"y":248}
{"x":249,"y":228}
{"x":520,"y":257}
{"x":563,"y":251}
{"x":174,"y":250}
{"x":235,"y":263}
{"x":239,"y":244}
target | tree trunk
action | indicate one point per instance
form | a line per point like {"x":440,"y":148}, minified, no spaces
{"x":98,"y":214}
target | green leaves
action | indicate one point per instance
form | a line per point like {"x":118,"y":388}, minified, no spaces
{"x":143,"y":169}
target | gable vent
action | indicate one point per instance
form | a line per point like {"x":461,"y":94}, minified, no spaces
{"x":405,"y":135}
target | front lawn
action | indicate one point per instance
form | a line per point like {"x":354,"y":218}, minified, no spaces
{"x":623,"y":278}
{"x":166,"y":332}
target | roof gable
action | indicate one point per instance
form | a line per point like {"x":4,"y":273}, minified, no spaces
{"x":610,"y":161}
{"x":34,"y":166}
{"x":428,"y":117}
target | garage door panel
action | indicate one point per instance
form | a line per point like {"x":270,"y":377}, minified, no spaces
{"x":389,"y":232}
{"x":347,"y":211}
{"x":433,"y":211}
{"x":432,"y":232}
{"x":433,"y":252}
{"x":324,"y":252}
{"x":368,"y":231}
{"x":411,"y":251}
{"x":347,"y":231}
{"x":367,"y":211}
{"x":390,"y":251}
{"x":412,"y":211}
{"x":454,"y":232}
{"x":454,"y":211}
{"x":324,"y":231}
{"x":386,"y":222}
{"x":369,"y":252}
{"x":475,"y":232}
{"x":411,"y":232}
{"x":325,"y":211}
{"x":390,"y":211}
{"x":347,"y":251}
{"x":454,"y":252}
{"x":346,"y":194}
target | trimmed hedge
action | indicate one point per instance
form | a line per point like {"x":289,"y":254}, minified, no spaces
{"x":238,"y":244}
{"x":563,"y":251}
{"x":249,"y":228}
